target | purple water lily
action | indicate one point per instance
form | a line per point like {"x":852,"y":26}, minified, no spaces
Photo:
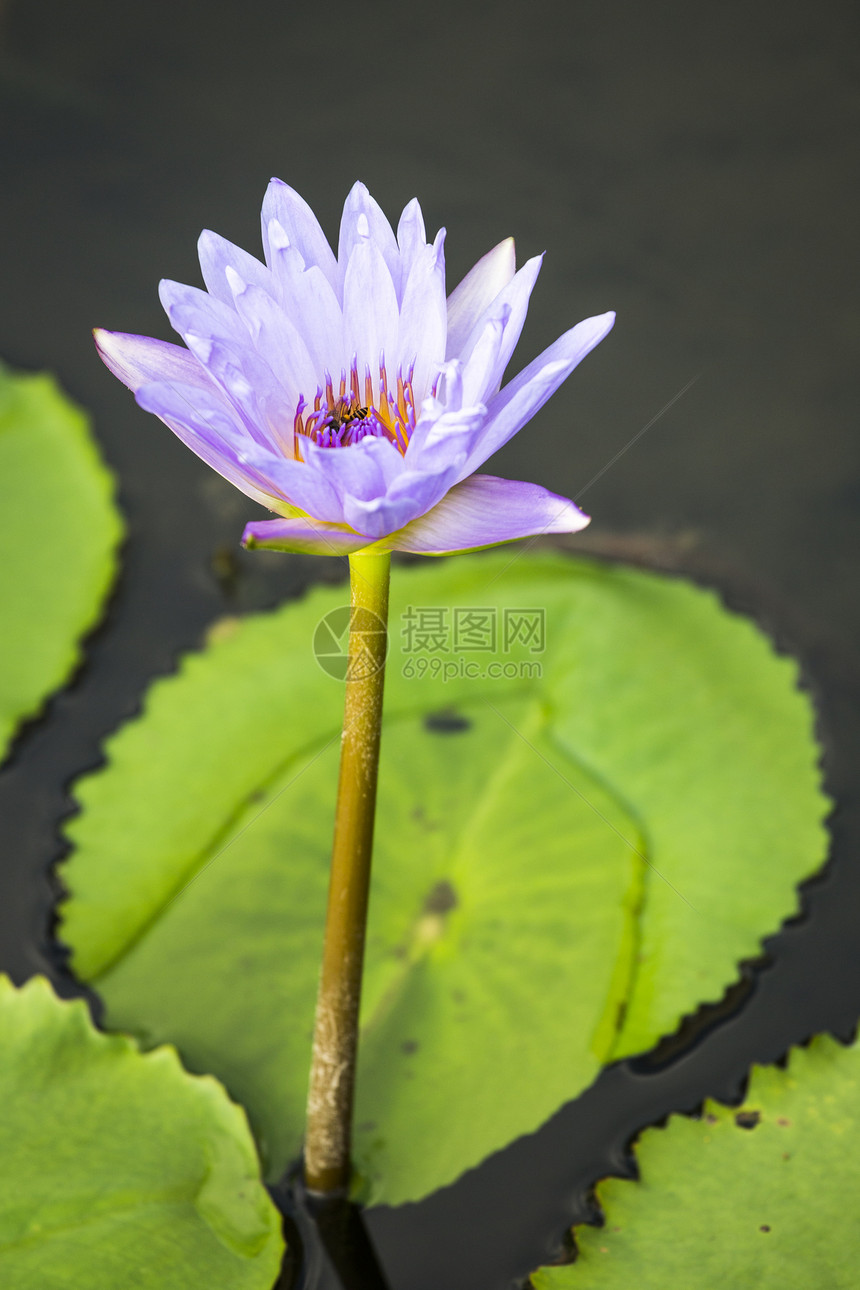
{"x":346,"y":394}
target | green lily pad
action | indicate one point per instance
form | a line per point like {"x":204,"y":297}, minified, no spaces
{"x":759,"y":1197}
{"x":436,"y":980}
{"x":519,"y":934}
{"x":117,"y":1168}
{"x":59,"y":531}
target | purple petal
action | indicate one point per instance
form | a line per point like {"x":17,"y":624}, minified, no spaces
{"x":522,"y":397}
{"x":370,"y":315}
{"x":192,"y":311}
{"x":248,"y":382}
{"x":410,"y":494}
{"x":217,"y":256}
{"x":364,"y":470}
{"x":476,"y":292}
{"x":218,"y":338}
{"x":444,"y":436}
{"x":411,"y":237}
{"x":485,"y":359}
{"x":383,"y":515}
{"x":283,"y":206}
{"x":305,"y":536}
{"x":300,"y":483}
{"x":136,"y":360}
{"x":423,"y":317}
{"x":363,"y":220}
{"x":313,"y":308}
{"x":413,"y":494}
{"x":483,"y":377}
{"x":484,"y":511}
{"x":278,"y":342}
{"x":209,"y":427}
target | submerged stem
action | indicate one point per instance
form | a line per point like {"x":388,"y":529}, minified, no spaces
{"x":332,"y":1080}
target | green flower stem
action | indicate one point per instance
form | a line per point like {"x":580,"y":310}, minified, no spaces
{"x":332,"y":1080}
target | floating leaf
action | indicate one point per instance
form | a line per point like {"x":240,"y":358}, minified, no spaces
{"x":759,"y":1197}
{"x":473,"y":953}
{"x":59,"y":531}
{"x":523,"y":925}
{"x":700,"y":729}
{"x":118,"y":1168}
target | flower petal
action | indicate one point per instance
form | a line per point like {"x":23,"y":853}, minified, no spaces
{"x":278,"y":342}
{"x":312,"y":306}
{"x":283,"y":206}
{"x":423,"y":317}
{"x":370,"y":315}
{"x":207,"y":425}
{"x":485,"y":359}
{"x":378,"y":516}
{"x":411,"y":237}
{"x":364,"y":220}
{"x":190,"y":309}
{"x":137,"y":360}
{"x":529,"y":390}
{"x":305,"y":536}
{"x":300,"y":484}
{"x":248,"y":382}
{"x":446,"y":431}
{"x":364,"y":470}
{"x":217,"y":256}
{"x":217,"y":337}
{"x":484,"y":511}
{"x":477,"y":290}
{"x":483,"y":376}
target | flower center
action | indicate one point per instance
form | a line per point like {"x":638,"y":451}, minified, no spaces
{"x":344,"y":417}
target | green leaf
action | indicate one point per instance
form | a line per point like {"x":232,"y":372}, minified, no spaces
{"x":701,"y":730}
{"x":118,"y":1168}
{"x":59,"y":531}
{"x":757,"y":1198}
{"x":437,"y":986}
{"x":522,"y":927}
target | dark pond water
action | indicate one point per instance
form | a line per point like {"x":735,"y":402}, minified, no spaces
{"x":693,"y":168}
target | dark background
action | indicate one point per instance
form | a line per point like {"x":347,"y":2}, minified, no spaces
{"x":692,"y":167}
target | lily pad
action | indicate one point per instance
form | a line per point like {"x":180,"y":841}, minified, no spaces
{"x":759,"y":1197}
{"x":472,"y":953}
{"x":59,"y":531}
{"x":521,"y":933}
{"x":117,"y":1168}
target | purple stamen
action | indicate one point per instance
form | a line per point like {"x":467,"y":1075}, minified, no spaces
{"x":342,"y":420}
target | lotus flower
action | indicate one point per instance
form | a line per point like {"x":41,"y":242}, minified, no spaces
{"x":345,"y":393}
